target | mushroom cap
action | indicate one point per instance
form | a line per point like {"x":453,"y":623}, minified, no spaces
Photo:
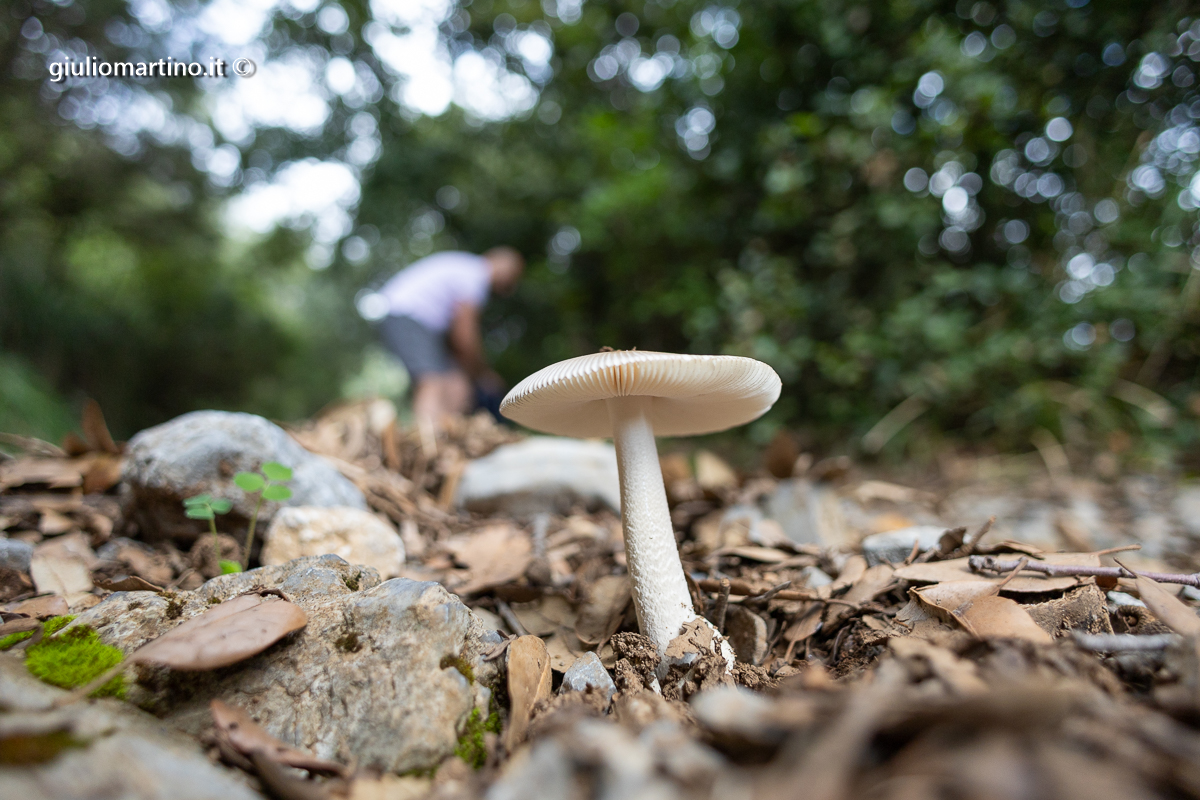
{"x":689,"y":395}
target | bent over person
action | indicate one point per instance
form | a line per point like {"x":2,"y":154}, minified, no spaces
{"x":433,"y":326}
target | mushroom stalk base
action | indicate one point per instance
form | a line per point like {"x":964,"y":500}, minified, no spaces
{"x":659,"y":588}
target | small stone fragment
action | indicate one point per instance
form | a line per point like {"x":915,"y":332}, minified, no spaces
{"x":15,"y":554}
{"x":356,"y":536}
{"x":588,"y":671}
{"x":895,"y":546}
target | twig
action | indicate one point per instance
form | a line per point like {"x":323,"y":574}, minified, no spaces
{"x":767,"y":595}
{"x":969,"y":544}
{"x":993,"y":564}
{"x":722,"y":604}
{"x":510,"y":619}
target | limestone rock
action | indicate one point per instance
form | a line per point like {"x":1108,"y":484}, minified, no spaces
{"x":895,"y":546}
{"x":810,"y":513}
{"x":124,"y":752}
{"x":377,"y":675}
{"x":541,"y":473}
{"x":357,"y":536}
{"x":588,"y":671}
{"x":199,"y":453}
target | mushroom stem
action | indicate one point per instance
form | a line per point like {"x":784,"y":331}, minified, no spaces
{"x":659,"y":588}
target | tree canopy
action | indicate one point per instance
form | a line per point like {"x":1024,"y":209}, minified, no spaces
{"x":974,"y":220}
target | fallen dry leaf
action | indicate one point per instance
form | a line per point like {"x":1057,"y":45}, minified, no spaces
{"x":494,"y":556}
{"x":67,"y":577}
{"x":766,"y":555}
{"x":564,"y":650}
{"x":247,"y":737}
{"x":852,"y":570}
{"x":958,"y":569}
{"x":95,"y":429}
{"x":129,"y":583}
{"x":53,"y":523}
{"x":995,"y":617}
{"x":40,"y":607}
{"x":57,"y":473}
{"x":943,"y":599}
{"x":713,"y":474}
{"x":866,"y":588}
{"x":606,"y":600}
{"x":224,"y":634}
{"x":529,"y":680}
{"x":1168,"y":608}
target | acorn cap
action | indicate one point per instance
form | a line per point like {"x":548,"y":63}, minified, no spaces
{"x":690,"y":395}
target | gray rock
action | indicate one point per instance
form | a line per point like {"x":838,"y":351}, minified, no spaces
{"x":124,"y":751}
{"x":809,"y":513}
{"x":198,"y":453}
{"x":815,"y":577}
{"x":895,"y":546}
{"x":588,"y":671}
{"x":15,"y":554}
{"x":541,"y":473}
{"x":357,"y":536}
{"x":377,"y":676}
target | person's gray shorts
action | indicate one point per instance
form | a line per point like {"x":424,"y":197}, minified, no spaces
{"x":422,"y":350}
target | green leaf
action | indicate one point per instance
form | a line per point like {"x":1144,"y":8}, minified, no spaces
{"x":249,"y":481}
{"x":221,"y":506}
{"x":276,"y":471}
{"x":276,"y":493}
{"x":199,"y":512}
{"x":228,"y":567}
{"x":198,"y":500}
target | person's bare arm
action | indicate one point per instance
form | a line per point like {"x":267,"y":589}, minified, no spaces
{"x":467,"y":343}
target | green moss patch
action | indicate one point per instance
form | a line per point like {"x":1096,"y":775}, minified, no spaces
{"x":73,"y":658}
{"x":460,"y":664}
{"x":471,"y":748}
{"x":52,"y":626}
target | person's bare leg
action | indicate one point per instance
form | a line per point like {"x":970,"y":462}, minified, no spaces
{"x":427,"y":399}
{"x":456,"y":393}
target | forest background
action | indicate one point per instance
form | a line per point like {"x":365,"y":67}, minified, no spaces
{"x":961,"y":223}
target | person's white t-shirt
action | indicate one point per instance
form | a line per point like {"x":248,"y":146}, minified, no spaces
{"x":429,"y":290}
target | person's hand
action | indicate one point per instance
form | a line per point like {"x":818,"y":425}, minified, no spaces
{"x":490,"y":381}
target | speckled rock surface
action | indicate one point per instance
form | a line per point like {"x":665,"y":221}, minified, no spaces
{"x":119,"y":751}
{"x":199,"y":453}
{"x":376,"y":676}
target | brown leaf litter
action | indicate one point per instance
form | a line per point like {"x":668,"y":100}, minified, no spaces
{"x":956,"y":673}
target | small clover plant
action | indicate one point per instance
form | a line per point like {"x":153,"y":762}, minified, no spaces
{"x":269,"y":485}
{"x":204,"y":506}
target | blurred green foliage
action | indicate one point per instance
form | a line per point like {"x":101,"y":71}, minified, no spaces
{"x":879,"y":199}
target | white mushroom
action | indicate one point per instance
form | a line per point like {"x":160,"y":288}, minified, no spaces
{"x":632,"y":396}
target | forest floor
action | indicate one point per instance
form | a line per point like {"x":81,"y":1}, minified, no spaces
{"x":1021,"y":651}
